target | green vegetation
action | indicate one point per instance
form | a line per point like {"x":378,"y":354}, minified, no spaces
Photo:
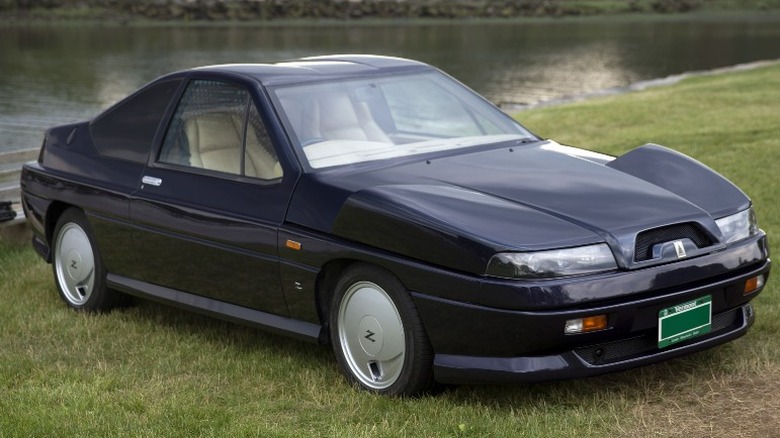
{"x":150,"y":370}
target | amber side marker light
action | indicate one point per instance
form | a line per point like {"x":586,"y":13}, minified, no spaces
{"x":293,"y":245}
{"x":753,"y":284}
{"x":584,"y":325}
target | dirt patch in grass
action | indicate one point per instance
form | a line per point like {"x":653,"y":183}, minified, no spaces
{"x":731,"y":407}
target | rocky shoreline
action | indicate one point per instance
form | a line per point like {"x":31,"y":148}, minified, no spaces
{"x":245,"y":10}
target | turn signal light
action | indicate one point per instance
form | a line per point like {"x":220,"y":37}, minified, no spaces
{"x":753,"y":284}
{"x":584,"y":325}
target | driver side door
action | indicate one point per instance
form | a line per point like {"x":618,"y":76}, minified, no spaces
{"x":209,"y":205}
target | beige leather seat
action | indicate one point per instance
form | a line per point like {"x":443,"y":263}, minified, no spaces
{"x":333,"y":116}
{"x":215,"y":143}
{"x":261,"y":161}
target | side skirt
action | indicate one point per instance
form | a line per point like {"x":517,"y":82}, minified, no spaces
{"x":273,"y":323}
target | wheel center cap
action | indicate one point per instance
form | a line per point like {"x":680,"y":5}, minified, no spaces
{"x":74,"y":264}
{"x":370,"y":335}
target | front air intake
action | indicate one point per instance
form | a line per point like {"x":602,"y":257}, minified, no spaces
{"x":649,"y":238}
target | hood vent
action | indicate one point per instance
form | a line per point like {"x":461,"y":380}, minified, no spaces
{"x":647,"y":239}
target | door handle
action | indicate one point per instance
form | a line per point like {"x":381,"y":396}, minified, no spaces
{"x":152,"y":181}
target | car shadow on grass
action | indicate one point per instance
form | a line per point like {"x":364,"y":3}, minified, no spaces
{"x":650,"y":379}
{"x":648,"y":383}
{"x":221,"y":333}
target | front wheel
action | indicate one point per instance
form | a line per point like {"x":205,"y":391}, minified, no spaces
{"x":377,"y":335}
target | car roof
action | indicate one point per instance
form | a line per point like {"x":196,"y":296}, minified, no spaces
{"x":319,"y":68}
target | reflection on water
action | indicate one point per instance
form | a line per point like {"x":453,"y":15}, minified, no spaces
{"x":57,"y":74}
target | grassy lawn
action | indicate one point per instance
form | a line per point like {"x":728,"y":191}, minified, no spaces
{"x":155,"y":371}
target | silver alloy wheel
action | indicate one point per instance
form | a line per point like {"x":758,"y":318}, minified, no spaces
{"x":372,"y":335}
{"x":75,"y":264}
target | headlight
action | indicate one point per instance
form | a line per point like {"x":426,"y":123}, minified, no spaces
{"x":738,"y":226}
{"x":552,"y":263}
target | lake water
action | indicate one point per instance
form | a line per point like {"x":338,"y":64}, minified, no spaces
{"x":53,"y":74}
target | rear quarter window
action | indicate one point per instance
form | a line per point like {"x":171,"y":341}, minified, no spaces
{"x":127,"y":130}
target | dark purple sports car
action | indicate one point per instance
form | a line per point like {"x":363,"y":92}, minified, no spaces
{"x":378,"y":205}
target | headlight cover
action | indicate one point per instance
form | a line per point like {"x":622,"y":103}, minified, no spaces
{"x":738,"y":226}
{"x":552,"y":263}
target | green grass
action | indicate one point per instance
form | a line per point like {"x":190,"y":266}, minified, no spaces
{"x":150,"y":370}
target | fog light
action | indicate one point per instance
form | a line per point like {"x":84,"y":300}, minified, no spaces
{"x":753,"y":284}
{"x":584,"y":325}
{"x":749,"y":312}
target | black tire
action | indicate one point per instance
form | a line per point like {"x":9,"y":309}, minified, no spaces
{"x":77,"y":266}
{"x":377,"y":335}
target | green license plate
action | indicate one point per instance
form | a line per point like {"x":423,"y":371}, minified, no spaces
{"x":684,"y":321}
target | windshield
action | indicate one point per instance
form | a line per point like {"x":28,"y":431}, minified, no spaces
{"x":357,"y":120}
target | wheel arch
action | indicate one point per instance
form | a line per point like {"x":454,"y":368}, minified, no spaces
{"x":328,"y":278}
{"x":53,"y":214}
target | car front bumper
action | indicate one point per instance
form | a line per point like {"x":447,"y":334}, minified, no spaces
{"x":590,"y":360}
{"x":475,"y":343}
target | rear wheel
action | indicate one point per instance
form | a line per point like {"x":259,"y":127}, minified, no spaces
{"x":78,"y":268}
{"x":377,"y":335}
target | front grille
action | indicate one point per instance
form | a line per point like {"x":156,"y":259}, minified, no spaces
{"x":646,"y":240}
{"x":624,"y":349}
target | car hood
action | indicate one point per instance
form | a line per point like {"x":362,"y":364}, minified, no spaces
{"x":459,"y":210}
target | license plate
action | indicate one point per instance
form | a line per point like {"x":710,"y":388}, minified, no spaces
{"x":684,"y":321}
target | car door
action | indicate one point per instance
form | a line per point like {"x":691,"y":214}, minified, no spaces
{"x":210,"y":202}
{"x":123,"y":135}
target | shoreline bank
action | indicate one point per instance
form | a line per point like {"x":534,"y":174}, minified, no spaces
{"x":516,"y":108}
{"x":11,"y":21}
{"x":267,"y":11}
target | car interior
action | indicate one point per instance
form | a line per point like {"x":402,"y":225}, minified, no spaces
{"x":214,"y":140}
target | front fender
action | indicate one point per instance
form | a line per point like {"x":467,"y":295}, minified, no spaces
{"x":683,"y":176}
{"x":450,"y":226}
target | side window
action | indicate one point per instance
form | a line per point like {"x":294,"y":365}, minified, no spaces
{"x":209,"y":131}
{"x":207,"y":128}
{"x":127,"y":130}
